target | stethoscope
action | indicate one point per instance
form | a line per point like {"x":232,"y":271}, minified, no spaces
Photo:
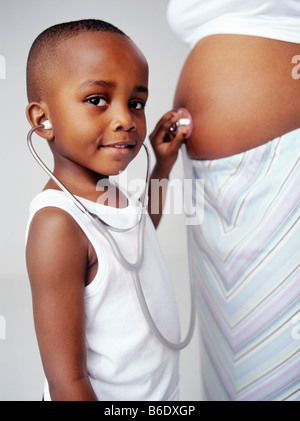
{"x":105,"y":229}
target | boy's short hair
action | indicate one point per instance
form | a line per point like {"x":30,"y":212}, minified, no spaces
{"x":42,"y":51}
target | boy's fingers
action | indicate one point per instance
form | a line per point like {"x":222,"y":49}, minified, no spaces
{"x":178,"y":140}
{"x":163,"y":132}
{"x":163,"y":126}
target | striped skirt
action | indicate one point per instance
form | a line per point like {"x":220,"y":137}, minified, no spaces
{"x":245,"y":261}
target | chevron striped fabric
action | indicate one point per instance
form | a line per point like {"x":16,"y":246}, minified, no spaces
{"x":245,"y":262}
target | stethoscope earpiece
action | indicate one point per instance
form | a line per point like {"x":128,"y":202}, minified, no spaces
{"x":47,"y":125}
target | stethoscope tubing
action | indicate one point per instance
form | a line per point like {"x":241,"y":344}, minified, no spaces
{"x":104,"y":229}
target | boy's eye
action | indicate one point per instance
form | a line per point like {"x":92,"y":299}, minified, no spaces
{"x":137,"y":105}
{"x":97,"y":100}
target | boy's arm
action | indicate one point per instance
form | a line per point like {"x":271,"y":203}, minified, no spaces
{"x":166,"y":146}
{"x":56,"y":256}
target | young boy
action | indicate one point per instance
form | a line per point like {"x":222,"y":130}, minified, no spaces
{"x":91,"y":82}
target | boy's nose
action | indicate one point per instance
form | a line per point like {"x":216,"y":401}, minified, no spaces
{"x":123,"y":120}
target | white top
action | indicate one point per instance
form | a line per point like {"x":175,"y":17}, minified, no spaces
{"x":124,"y":359}
{"x":196,"y":19}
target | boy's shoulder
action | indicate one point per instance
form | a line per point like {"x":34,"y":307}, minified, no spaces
{"x":52,"y":219}
{"x":57,"y":254}
{"x":52,"y":211}
{"x":53,"y":231}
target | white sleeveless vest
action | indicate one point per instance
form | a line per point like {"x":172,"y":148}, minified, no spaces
{"x":124,"y":359}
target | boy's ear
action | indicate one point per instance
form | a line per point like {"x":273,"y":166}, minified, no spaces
{"x":36,"y":115}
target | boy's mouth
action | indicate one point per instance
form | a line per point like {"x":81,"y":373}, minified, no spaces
{"x":120,"y":145}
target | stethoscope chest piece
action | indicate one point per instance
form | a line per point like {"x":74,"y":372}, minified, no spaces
{"x":185,"y":121}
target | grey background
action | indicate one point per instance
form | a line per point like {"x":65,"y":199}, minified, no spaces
{"x":21,"y":375}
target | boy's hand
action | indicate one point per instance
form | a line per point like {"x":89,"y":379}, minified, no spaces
{"x":166,"y":143}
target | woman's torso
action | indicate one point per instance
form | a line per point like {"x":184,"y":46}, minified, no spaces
{"x":240,"y":91}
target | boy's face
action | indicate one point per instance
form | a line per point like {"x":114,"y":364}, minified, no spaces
{"x":96,"y":103}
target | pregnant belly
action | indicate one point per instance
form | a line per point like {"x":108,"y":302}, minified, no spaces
{"x":241,"y":93}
